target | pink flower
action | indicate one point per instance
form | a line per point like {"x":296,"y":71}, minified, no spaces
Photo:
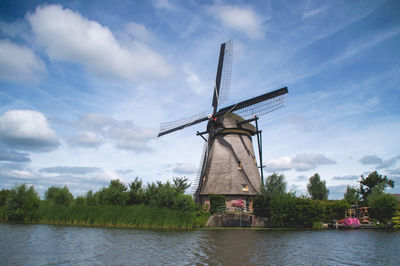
{"x":351,"y":222}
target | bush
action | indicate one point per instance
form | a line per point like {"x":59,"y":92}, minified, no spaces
{"x":216,"y":203}
{"x":334,"y":209}
{"x":304,"y":212}
{"x":261,"y":206}
{"x":383,"y":206}
{"x":3,"y":196}
{"x":59,"y":196}
{"x":184,"y":203}
{"x":114,"y":194}
{"x":22,"y":204}
{"x":136,"y":193}
{"x":281,"y":206}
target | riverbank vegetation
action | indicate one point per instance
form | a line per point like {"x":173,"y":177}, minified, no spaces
{"x":283,"y":209}
{"x":157,"y":205}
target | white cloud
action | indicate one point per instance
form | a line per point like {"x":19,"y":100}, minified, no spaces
{"x":184,"y":169}
{"x":194,"y":81}
{"x":19,"y":63}
{"x":302,"y":162}
{"x":27,"y":130}
{"x":371,"y":159}
{"x":13,"y":156}
{"x":69,"y":36}
{"x":138,"y":31}
{"x":86,"y":139}
{"x":388,"y":163}
{"x":125,"y":134}
{"x":280,"y":164}
{"x":131,"y":137}
{"x":242,"y":19}
{"x":70,"y":170}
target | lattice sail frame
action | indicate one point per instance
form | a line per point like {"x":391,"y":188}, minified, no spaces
{"x":262,"y":108}
{"x":226,"y":73}
{"x":177,"y":123}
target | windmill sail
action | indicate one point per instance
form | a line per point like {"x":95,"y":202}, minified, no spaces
{"x":256,"y":101}
{"x":262,"y":108}
{"x":168,"y":127}
{"x":224,"y":72}
{"x":196,"y":184}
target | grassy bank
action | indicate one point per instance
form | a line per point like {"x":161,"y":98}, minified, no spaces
{"x":156,"y":206}
{"x":136,"y":216}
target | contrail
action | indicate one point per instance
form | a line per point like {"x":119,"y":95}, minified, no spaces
{"x":19,"y":101}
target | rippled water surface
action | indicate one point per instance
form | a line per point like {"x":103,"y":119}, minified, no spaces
{"x":46,"y":244}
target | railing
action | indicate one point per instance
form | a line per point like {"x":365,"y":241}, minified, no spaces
{"x":224,"y":209}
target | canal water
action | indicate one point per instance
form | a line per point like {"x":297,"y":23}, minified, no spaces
{"x":69,"y":245}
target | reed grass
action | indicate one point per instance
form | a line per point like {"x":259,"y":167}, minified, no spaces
{"x":135,"y":216}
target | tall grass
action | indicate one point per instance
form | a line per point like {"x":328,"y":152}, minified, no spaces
{"x":135,"y":216}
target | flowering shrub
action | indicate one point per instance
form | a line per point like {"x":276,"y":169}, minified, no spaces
{"x":238,"y":203}
{"x":351,"y":222}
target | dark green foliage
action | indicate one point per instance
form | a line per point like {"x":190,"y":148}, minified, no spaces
{"x":136,"y":192}
{"x":163,"y":195}
{"x":184,"y":203}
{"x":22,"y":204}
{"x":160,"y":195}
{"x":281,"y":206}
{"x":261,"y":205}
{"x":81,"y":200}
{"x":274,"y":184}
{"x":289,"y":211}
{"x":114,"y":194}
{"x":383,"y":205}
{"x":317,"y":188}
{"x":334,"y":209}
{"x":135,"y":216}
{"x":3,"y":196}
{"x":59,"y":196}
{"x":371,"y":181}
{"x":170,"y":208}
{"x":352,"y":195}
{"x":180,"y":184}
{"x":91,"y":198}
{"x":216,"y":203}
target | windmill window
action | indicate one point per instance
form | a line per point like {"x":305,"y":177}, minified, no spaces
{"x":240,"y":167}
{"x":245,"y":187}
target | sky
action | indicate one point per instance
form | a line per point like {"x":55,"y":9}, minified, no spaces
{"x":84,"y":86}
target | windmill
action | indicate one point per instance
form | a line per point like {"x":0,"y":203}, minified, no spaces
{"x":228,"y":165}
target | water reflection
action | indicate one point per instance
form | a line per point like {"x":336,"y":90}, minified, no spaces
{"x":42,"y":244}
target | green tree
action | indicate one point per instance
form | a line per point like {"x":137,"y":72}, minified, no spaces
{"x":352,"y":195}
{"x":317,"y":188}
{"x":181,"y":184}
{"x":371,"y":181}
{"x":275,"y":184}
{"x":136,"y":192}
{"x":114,"y":194}
{"x":383,"y":205}
{"x":3,"y":196}
{"x":22,"y":204}
{"x":59,"y":196}
{"x":184,"y":203}
{"x":91,"y":198}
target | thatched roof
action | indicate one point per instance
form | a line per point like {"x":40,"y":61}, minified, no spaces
{"x":231,"y":166}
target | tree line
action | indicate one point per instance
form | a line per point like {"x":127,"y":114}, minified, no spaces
{"x":283,"y":208}
{"x":155,"y":205}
